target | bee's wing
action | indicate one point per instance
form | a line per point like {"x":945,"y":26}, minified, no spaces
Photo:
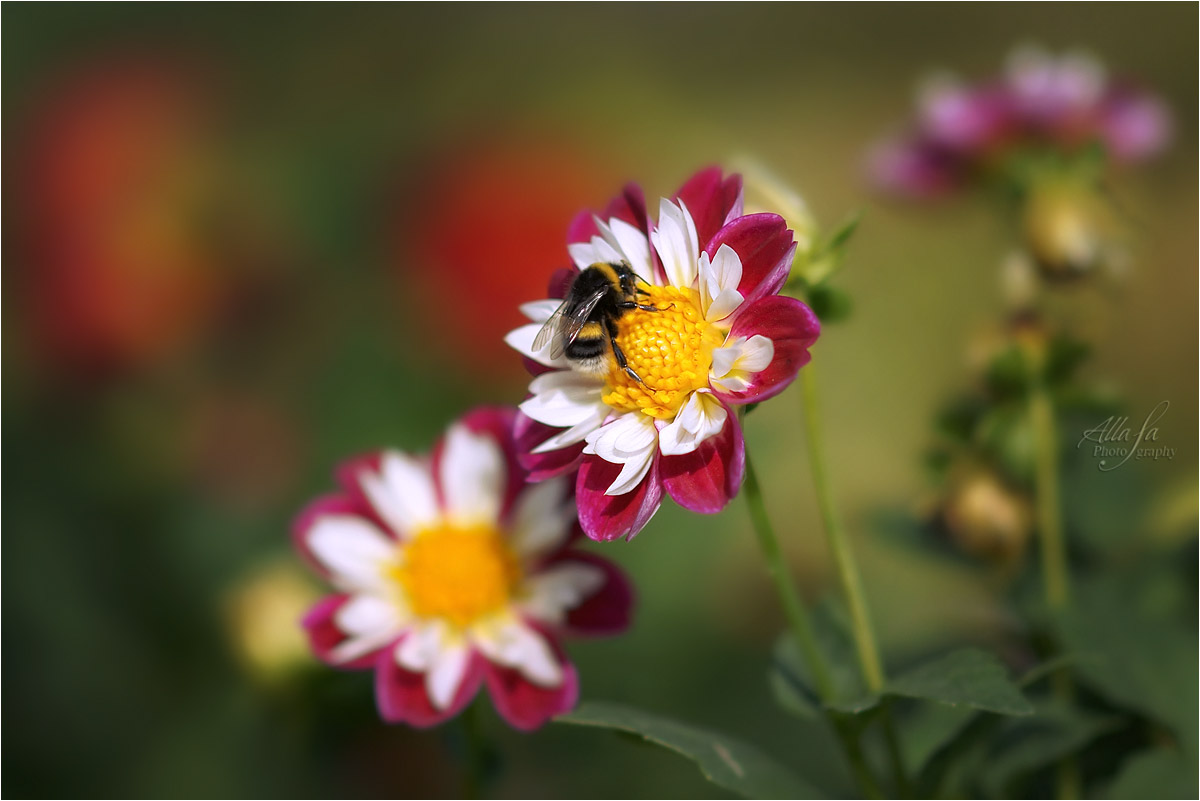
{"x":567,"y":324}
{"x":549,"y":329}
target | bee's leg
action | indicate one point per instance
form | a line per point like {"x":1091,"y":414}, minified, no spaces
{"x":620,"y":354}
{"x":629,"y":304}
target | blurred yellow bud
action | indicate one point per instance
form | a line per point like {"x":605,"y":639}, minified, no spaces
{"x":1069,"y":230}
{"x":262,"y":615}
{"x":987,"y":519}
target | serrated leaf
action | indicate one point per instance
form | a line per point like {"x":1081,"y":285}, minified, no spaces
{"x":725,"y":761}
{"x":969,"y":678}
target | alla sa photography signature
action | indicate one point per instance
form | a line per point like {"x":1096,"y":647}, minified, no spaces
{"x":1115,"y":441}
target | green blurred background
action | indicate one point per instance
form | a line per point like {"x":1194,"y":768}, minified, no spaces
{"x":245,"y":242}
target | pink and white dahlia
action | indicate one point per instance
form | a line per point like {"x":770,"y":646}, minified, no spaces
{"x":451,"y":572}
{"x":716,"y":335}
{"x":962,"y":130}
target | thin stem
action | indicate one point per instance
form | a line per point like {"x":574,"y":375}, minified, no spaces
{"x":839,"y":545}
{"x":1054,"y":553}
{"x":789,"y":598}
{"x":1049,"y":510}
{"x":848,"y":574}
{"x":801,"y":628}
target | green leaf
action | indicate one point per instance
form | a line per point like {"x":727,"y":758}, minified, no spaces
{"x":1024,"y":746}
{"x":792,"y":681}
{"x":1155,"y":774}
{"x":969,"y":678}
{"x":841,"y":235}
{"x":725,"y":761}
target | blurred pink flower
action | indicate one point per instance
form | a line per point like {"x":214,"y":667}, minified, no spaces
{"x":720,"y":337}
{"x":962,"y":129}
{"x":451,"y":572}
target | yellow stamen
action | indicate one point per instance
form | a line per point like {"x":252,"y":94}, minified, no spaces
{"x":669,"y":348}
{"x":458,"y":574}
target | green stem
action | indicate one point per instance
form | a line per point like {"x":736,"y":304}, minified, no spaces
{"x":839,"y":545}
{"x":789,"y":598}
{"x":801,"y":628}
{"x":1049,"y":511}
{"x":1053,"y":545}
{"x":848,"y":575}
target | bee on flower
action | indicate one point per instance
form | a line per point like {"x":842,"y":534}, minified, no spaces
{"x":451,"y":572}
{"x":686,"y":324}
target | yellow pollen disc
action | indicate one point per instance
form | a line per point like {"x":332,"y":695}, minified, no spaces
{"x":669,"y":348}
{"x":458,"y":574}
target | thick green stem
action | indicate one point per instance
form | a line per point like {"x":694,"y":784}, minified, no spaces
{"x":839,"y":545}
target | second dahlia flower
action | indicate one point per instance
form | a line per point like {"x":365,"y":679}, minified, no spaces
{"x":713,"y":334}
{"x":452,"y":572}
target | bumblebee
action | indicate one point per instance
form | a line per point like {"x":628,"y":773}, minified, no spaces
{"x":584,"y":327}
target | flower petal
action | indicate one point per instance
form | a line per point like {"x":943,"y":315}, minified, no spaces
{"x":324,"y":506}
{"x":719,"y":279}
{"x":607,"y":610}
{"x":792,"y":328}
{"x":516,"y":644}
{"x":521,"y":340}
{"x":705,"y":479}
{"x":541,"y":466}
{"x":764,"y":245}
{"x":472,"y":476}
{"x":550,"y":593}
{"x":325,"y":636}
{"x":401,"y":492}
{"x":542,"y":518}
{"x":607,"y":517}
{"x":564,"y":398}
{"x":674,"y":239}
{"x":713,"y":201}
{"x":702,"y":417}
{"x":628,"y":441}
{"x":633,"y":243}
{"x":525,"y":705}
{"x":355,"y":552}
{"x":734,"y":364}
{"x":370,"y":622}
{"x":446,"y":674}
{"x":402,"y":696}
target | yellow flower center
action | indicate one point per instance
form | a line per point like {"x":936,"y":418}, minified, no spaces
{"x":458,"y":574}
{"x":670,"y":348}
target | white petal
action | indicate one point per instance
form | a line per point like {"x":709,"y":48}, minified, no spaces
{"x":583,"y":254}
{"x":630,"y":442}
{"x":576,"y":433}
{"x":675,"y":240}
{"x":719,"y":279}
{"x":702,"y":417}
{"x":631,"y":242}
{"x":418,"y":651}
{"x":402,"y":492}
{"x":564,"y":398}
{"x":541,"y":518}
{"x":513,"y":644}
{"x":521,"y":340}
{"x":540,"y":310}
{"x":370,"y":622}
{"x":553,"y":592}
{"x":733,"y":364}
{"x":355,"y":552}
{"x":442,"y":680}
{"x":598,"y":250}
{"x":473,"y":476}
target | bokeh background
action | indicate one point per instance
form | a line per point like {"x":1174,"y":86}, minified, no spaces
{"x":244,"y":242}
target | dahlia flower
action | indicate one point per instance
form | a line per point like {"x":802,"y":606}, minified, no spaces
{"x":452,"y":572}
{"x":715,"y":335}
{"x":1065,"y":103}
